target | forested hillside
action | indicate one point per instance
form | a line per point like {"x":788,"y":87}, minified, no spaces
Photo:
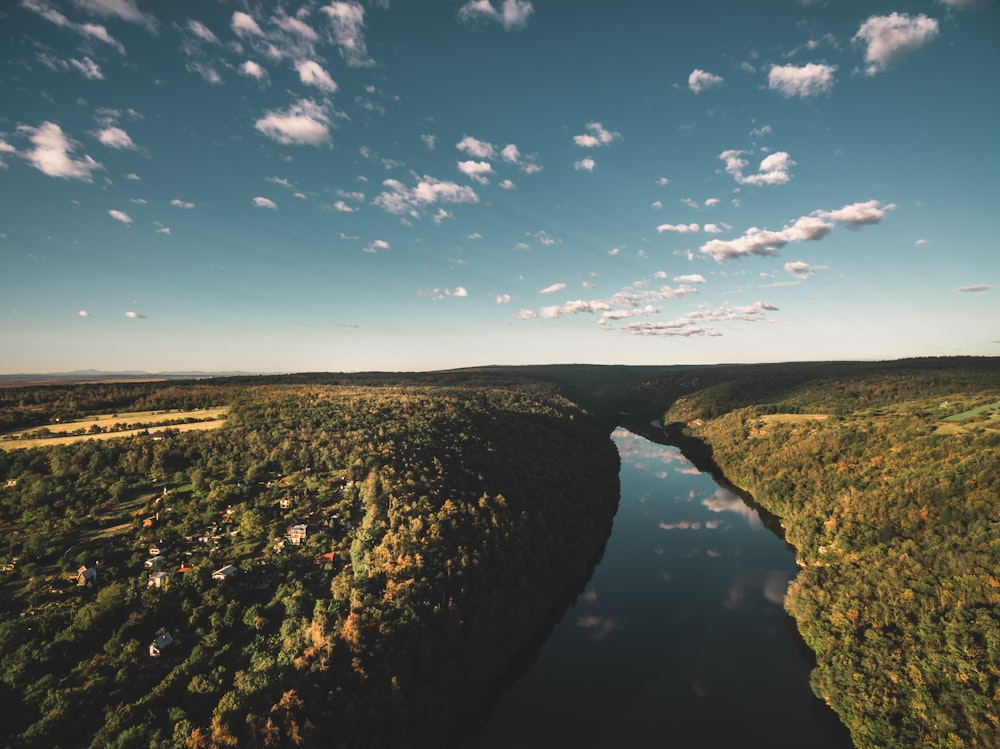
{"x":886,"y":479}
{"x":382,"y":551}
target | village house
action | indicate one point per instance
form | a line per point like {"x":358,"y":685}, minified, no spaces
{"x":225,"y":573}
{"x":154,"y":561}
{"x":86,"y":575}
{"x":158,"y":645}
{"x":158,"y":580}
{"x":297,"y":534}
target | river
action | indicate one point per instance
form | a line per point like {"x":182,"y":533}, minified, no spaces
{"x":679,"y":639}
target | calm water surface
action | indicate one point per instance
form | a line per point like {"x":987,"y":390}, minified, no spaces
{"x":680,"y":638}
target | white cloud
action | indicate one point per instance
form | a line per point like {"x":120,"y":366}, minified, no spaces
{"x":52,"y":153}
{"x":806,"y":228}
{"x":207,"y":72}
{"x":699,"y":322}
{"x":656,"y":205}
{"x":115,"y":137}
{"x":93,"y":30}
{"x":805,"y":80}
{"x":662,"y":181}
{"x":513,"y":14}
{"x":585,"y":165}
{"x":312,"y":73}
{"x":476,"y":148}
{"x":123,"y":9}
{"x":553,"y":288}
{"x":243,"y":25}
{"x":132,"y":176}
{"x":89,"y":68}
{"x":400,"y":199}
{"x":502,"y":299}
{"x":976,"y":289}
{"x":507,"y":184}
{"x":800,"y":269}
{"x":773,"y":169}
{"x":921,"y":242}
{"x":429,"y":140}
{"x":699,"y":80}
{"x":120,"y":216}
{"x":458,"y":291}
{"x":714,"y":228}
{"x":264,"y":203}
{"x":295,"y":27}
{"x":441,"y":216}
{"x":857,"y":214}
{"x":348,"y":21}
{"x":679,"y":228}
{"x":202,"y":31}
{"x":82,"y":313}
{"x":597,"y":136}
{"x":342,"y":207}
{"x":510,"y":153}
{"x":252,"y":69}
{"x":690,"y":278}
{"x":303,"y":123}
{"x":888,"y":38}
{"x":178,"y":203}
{"x":476,"y":170}
{"x":378,"y":244}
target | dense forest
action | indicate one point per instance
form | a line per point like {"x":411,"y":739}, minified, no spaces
{"x":886,"y":479}
{"x":383,"y":550}
{"x":354,"y":560}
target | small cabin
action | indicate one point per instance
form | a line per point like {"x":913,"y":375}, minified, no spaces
{"x":158,"y":580}
{"x":225,"y":573}
{"x":86,"y":575}
{"x":162,"y":641}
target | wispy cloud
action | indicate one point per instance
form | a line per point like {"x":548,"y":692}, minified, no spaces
{"x":262,"y":202}
{"x":126,"y":10}
{"x":701,"y":323}
{"x":91,"y":30}
{"x":888,"y":38}
{"x":552,"y":289}
{"x":348,"y":21}
{"x":977,"y":289}
{"x":120,"y":216}
{"x":378,"y":244}
{"x":202,"y":31}
{"x":178,"y":203}
{"x":513,"y":14}
{"x":585,"y":165}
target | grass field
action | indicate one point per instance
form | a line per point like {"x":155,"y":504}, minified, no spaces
{"x":68,"y":432}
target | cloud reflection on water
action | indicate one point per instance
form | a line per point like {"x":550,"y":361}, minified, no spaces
{"x":723,"y":501}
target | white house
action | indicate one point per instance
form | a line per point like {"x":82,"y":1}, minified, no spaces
{"x":162,"y":641}
{"x":297,"y":534}
{"x":158,"y":580}
{"x":225,"y":573}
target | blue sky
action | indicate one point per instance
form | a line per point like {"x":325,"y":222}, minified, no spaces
{"x":339,"y":186}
